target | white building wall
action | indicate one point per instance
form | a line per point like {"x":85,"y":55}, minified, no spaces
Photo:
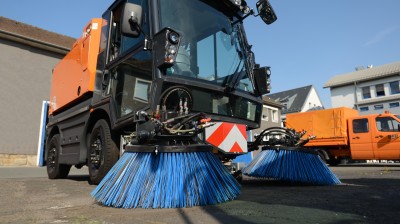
{"x":372,"y":84}
{"x":312,"y":101}
{"x":385,"y":107}
{"x":351,"y":95}
{"x":379,"y":104}
{"x":343,"y":96}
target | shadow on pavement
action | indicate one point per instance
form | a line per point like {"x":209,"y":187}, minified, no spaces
{"x":365,"y":200}
{"x":78,"y":177}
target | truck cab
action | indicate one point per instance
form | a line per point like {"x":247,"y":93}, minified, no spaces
{"x":375,"y":136}
{"x":198,"y":46}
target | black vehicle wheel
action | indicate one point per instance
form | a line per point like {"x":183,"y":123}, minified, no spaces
{"x":333,"y":161}
{"x":238,"y":175}
{"x":103,"y":152}
{"x":322,"y":156}
{"x":54,"y":169}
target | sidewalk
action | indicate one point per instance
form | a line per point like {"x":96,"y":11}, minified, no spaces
{"x":33,"y":172}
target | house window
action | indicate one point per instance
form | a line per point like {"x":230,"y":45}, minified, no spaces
{"x":380,"y":91}
{"x":378,"y":107}
{"x":364,"y":108}
{"x":360,"y":125}
{"x":394,"y":87}
{"x":392,"y":105}
{"x":366,"y":92}
{"x":274,"y":117}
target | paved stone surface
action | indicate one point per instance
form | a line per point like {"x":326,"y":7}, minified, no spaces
{"x":369,"y":194}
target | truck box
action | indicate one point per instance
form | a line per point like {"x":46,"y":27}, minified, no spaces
{"x":74,"y":75}
{"x":328,"y":126}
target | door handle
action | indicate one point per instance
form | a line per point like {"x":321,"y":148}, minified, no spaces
{"x":379,"y":136}
{"x":356,"y":137}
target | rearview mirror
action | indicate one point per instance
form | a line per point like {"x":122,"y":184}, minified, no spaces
{"x":266,"y":12}
{"x":131,"y":20}
{"x":262,"y":80}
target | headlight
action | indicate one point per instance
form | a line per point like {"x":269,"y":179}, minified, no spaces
{"x":166,"y":45}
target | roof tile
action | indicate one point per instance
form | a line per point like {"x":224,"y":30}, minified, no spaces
{"x":36,"y":33}
{"x":364,"y":75}
{"x":297,"y":97}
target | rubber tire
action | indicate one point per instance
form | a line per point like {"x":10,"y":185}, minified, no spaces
{"x":238,"y":175}
{"x":322,"y":156}
{"x":54,"y":169}
{"x":108,"y":152}
{"x":333,"y":162}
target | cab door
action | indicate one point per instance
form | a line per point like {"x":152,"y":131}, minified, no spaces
{"x":360,"y":137}
{"x":386,"y":138}
{"x":129,"y":65}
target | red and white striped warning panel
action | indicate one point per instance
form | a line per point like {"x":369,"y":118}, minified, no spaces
{"x":228,"y":137}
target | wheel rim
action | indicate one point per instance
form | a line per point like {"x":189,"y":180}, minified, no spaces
{"x":52,"y":158}
{"x":95,"y":152}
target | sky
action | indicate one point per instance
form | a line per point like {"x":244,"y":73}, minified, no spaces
{"x":312,"y":40}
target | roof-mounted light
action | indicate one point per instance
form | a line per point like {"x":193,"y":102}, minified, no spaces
{"x":237,"y":2}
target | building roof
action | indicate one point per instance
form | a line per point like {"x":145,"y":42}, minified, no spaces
{"x":294,"y":99}
{"x":270,"y":102}
{"x":24,"y":33}
{"x":364,"y":75}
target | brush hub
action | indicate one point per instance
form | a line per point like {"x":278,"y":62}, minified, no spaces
{"x":168,"y":148}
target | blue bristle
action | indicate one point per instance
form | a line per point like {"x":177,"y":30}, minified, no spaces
{"x":166,"y":180}
{"x":292,"y":166}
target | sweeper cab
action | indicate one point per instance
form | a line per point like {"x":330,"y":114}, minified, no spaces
{"x":152,"y":76}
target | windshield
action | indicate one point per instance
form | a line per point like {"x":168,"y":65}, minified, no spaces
{"x":210,"y":48}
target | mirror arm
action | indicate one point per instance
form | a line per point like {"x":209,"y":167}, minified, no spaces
{"x":248,"y":14}
{"x":147,"y":41}
{"x":133,"y":20}
{"x":244,"y":17}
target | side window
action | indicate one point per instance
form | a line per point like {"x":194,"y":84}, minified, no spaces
{"x":129,"y":42}
{"x":115,"y":33}
{"x":360,"y":125}
{"x":104,"y":33}
{"x":131,"y":84}
{"x":131,"y":77}
{"x":386,"y":124}
{"x":119,"y":43}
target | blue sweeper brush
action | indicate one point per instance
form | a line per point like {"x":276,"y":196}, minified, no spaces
{"x":283,"y":158}
{"x":291,"y":165}
{"x":166,"y":179}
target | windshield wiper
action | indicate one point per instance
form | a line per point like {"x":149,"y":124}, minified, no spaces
{"x":231,"y":84}
{"x":245,"y":54}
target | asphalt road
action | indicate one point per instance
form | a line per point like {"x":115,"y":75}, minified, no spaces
{"x":369,"y":194}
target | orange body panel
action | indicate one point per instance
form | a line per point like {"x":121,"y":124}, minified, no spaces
{"x":375,"y":143}
{"x":329,"y":126}
{"x":361,"y":143}
{"x":75,"y":74}
{"x":335,"y":132}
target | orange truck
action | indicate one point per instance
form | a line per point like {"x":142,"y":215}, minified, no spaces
{"x":342,"y":133}
{"x":147,"y":77}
